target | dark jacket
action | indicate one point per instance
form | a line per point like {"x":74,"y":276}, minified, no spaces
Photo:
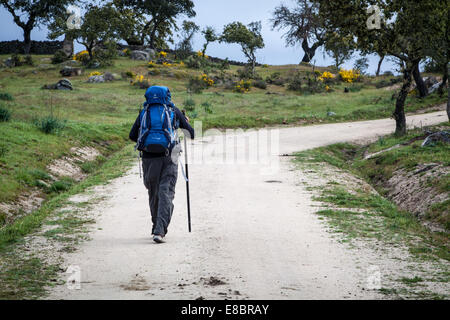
{"x":179,"y":119}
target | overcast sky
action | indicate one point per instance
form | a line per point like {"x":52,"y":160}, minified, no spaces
{"x":217,"y":13}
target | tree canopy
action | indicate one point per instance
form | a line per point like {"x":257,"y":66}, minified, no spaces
{"x":248,"y":37}
{"x":158,"y":17}
{"x":303,"y":24}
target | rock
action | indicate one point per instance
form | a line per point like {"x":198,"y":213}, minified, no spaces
{"x":443,"y":136}
{"x":64,"y":84}
{"x":140,"y":55}
{"x":151,"y":53}
{"x":331,"y":114}
{"x":430,"y":81}
{"x":70,"y":71}
{"x":434,"y":87}
{"x":97,"y":79}
{"x":111,"y":76}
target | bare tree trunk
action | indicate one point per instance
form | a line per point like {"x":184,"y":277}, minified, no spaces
{"x":448,"y":104}
{"x":423,"y":91}
{"x":309,"y":51}
{"x":444,"y":79}
{"x":399,"y":113}
{"x":26,"y":40}
{"x":379,"y":65}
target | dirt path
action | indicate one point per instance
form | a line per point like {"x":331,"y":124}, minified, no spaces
{"x":254,"y":236}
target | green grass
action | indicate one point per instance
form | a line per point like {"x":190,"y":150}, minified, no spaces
{"x":380,"y":218}
{"x":112,"y":168}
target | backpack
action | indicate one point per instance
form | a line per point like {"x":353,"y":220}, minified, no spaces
{"x":157,"y":131}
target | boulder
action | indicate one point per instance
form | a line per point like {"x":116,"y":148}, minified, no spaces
{"x":140,"y":55}
{"x":430,"y":81}
{"x":434,"y":87}
{"x":96,"y":79}
{"x":151,"y":53}
{"x":111,"y":76}
{"x":70,"y":71}
{"x":331,"y":114}
{"x":63,"y":84}
{"x":443,"y":136}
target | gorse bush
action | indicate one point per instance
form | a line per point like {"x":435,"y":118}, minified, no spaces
{"x":50,"y":124}
{"x":349,"y":76}
{"x":5,"y":114}
{"x":6,"y":96}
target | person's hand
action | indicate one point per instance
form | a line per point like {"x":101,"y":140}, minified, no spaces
{"x":187,"y":118}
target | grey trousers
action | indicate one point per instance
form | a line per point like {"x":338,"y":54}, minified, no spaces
{"x":160,"y":178}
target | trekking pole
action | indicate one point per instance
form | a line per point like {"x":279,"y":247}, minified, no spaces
{"x":187,"y":179}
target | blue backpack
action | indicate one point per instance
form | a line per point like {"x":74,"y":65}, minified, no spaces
{"x":157,"y":132}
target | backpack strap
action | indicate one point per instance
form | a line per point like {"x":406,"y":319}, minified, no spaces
{"x":146,"y":119}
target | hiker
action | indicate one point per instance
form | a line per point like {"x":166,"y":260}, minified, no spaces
{"x":155,"y":134}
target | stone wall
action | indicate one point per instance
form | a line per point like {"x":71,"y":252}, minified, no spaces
{"x":37,"y":47}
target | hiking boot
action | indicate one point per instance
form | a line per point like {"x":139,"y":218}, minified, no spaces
{"x":158,"y":239}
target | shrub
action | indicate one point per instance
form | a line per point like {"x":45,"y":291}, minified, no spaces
{"x":5,"y":96}
{"x":193,"y":62}
{"x":50,"y":124}
{"x":207,"y":107}
{"x":5,"y":114}
{"x":327,"y":77}
{"x":189,"y":104}
{"x":275,"y":78}
{"x":349,"y":76}
{"x":196,"y":85}
{"x":29,"y":60}
{"x":224,"y":65}
{"x":295,"y":84}
{"x":243,"y":86}
{"x":17,"y":60}
{"x":141,"y":82}
{"x":59,"y":57}
{"x":82,"y":56}
{"x":261,"y":84}
{"x":246,"y":73}
{"x":129,"y":74}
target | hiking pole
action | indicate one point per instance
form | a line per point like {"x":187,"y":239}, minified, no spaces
{"x":187,"y":179}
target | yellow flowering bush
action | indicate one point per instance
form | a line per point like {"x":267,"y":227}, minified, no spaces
{"x":166,"y":64}
{"x":349,"y":75}
{"x":81,"y":55}
{"x":326,"y":76}
{"x":208,"y":81}
{"x":152,"y":64}
{"x":141,"y":82}
{"x":163,"y":54}
{"x":243,"y":86}
{"x":95,"y":73}
{"x":201,"y":55}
